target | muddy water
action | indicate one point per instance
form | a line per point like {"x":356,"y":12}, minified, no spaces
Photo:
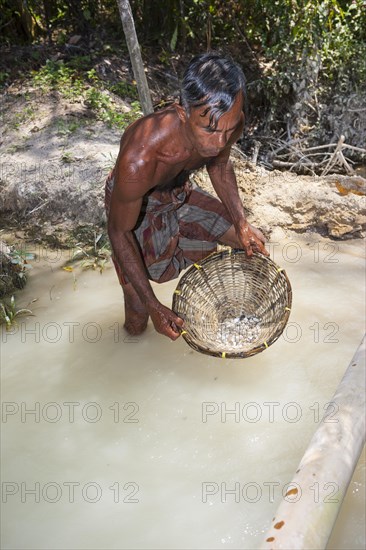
{"x":115,"y":442}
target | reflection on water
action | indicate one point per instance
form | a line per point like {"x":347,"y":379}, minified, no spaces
{"x":119,"y":442}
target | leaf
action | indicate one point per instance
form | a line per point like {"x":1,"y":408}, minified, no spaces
{"x":24,"y":312}
{"x":68,"y":268}
{"x":87,"y":14}
{"x":2,"y":310}
{"x":173,"y":41}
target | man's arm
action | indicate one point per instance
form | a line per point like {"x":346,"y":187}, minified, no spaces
{"x":132,"y":182}
{"x":222,"y":176}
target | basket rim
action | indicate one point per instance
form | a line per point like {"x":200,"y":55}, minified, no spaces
{"x":228,"y":252}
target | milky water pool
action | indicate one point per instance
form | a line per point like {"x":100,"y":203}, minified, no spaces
{"x":117,"y":442}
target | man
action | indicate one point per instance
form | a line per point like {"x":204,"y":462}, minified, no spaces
{"x":158,"y":221}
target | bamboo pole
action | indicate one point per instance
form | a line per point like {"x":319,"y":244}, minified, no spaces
{"x":305,"y":517}
{"x":135,"y":55}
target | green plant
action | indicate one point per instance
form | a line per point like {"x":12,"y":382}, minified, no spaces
{"x":9,"y":313}
{"x":22,"y":116}
{"x":124,"y":89}
{"x":20,"y":259}
{"x":66,"y":127}
{"x":121,"y":120}
{"x":3,"y":77}
{"x":92,"y":75}
{"x":97,"y":99}
{"x":329,"y":33}
{"x":14,"y":266}
{"x":106,"y":110}
{"x":67,"y":157}
{"x":93,"y":256}
{"x":56,"y":75}
{"x":15,"y":147}
{"x":80,"y":62}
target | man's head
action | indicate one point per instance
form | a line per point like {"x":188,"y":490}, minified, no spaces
{"x":213,"y":81}
{"x":212,"y":100}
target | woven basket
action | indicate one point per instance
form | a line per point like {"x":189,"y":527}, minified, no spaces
{"x":232,"y":305}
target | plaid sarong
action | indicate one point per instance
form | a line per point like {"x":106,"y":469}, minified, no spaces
{"x":175,"y":229}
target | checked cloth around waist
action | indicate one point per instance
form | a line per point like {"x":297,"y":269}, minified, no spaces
{"x":175,"y":228}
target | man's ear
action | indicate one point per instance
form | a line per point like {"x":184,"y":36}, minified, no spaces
{"x":182,"y":113}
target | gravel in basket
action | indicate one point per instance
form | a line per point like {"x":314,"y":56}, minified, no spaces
{"x":232,"y":305}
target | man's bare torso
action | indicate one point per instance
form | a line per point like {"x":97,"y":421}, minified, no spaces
{"x":158,"y":139}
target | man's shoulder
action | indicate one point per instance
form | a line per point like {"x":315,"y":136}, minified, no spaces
{"x":160,"y":122}
{"x":155,"y":136}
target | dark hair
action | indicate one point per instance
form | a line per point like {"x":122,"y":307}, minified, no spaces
{"x":214,"y":80}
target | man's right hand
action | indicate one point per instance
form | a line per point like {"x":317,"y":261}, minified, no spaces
{"x":252,"y":240}
{"x":165,"y":321}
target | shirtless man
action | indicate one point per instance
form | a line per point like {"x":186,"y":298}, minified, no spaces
{"x":158,"y":221}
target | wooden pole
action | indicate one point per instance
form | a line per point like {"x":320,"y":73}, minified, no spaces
{"x":305,"y":518}
{"x":135,"y":55}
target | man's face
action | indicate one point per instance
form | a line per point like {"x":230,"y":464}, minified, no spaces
{"x":210,"y":142}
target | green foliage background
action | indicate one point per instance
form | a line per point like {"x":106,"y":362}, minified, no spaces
{"x":291,"y":50}
{"x":282,"y":30}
